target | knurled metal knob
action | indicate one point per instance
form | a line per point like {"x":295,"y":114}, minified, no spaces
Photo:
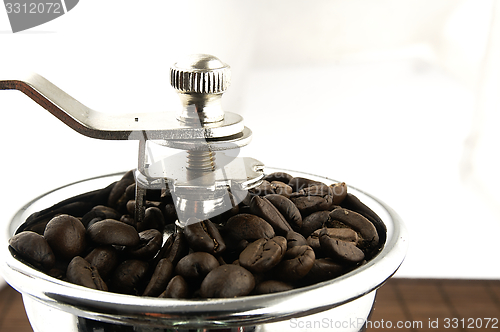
{"x":200,"y":73}
{"x":200,"y":80}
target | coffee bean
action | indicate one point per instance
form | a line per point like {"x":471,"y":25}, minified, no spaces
{"x":280,"y":188}
{"x":265,"y":188}
{"x":314,"y":198}
{"x":204,"y":236}
{"x":325,"y":269}
{"x":272,"y":286}
{"x":174,"y":248}
{"x":149,"y":245}
{"x":113,"y":232}
{"x":102,"y":212}
{"x":339,"y":250}
{"x":129,"y":220}
{"x":278,"y":176}
{"x":296,"y":263}
{"x":169,"y":213}
{"x":227,"y":281}
{"x":104,"y":258}
{"x":196,"y":265}
{"x":117,"y":197}
{"x":177,"y":288}
{"x":353,"y":203}
{"x":153,"y":219}
{"x":160,"y":279}
{"x":66,"y":236}
{"x":81,"y":272}
{"x":287,"y":209}
{"x":359,"y":223}
{"x":294,"y":239}
{"x":299,"y":183}
{"x":313,"y":222}
{"x":263,"y":254}
{"x":246,"y":228}
{"x":34,"y":249}
{"x":343,"y":234}
{"x":128,"y":276}
{"x":339,"y":192}
{"x":267,"y":211}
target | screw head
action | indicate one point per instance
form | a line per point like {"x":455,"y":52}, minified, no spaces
{"x":200,"y":73}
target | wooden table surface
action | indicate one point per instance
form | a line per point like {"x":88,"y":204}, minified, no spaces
{"x":401,"y":304}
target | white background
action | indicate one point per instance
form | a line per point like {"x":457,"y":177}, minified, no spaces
{"x":398,"y":98}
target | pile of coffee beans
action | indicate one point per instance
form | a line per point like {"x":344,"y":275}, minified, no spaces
{"x":288,"y":232}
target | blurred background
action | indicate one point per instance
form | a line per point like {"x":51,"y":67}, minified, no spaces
{"x":398,"y":98}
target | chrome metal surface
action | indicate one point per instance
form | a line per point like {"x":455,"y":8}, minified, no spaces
{"x":201,"y":193}
{"x":126,"y":126}
{"x":200,"y":80}
{"x":74,"y":302}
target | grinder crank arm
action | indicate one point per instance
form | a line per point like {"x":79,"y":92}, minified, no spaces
{"x":130,"y":126}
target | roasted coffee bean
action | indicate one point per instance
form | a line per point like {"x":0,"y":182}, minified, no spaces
{"x":104,"y":258}
{"x":287,"y":209}
{"x":81,"y":272}
{"x":196,"y":265}
{"x":278,"y":176}
{"x":299,"y":183}
{"x":113,"y":232}
{"x":128,"y":277}
{"x":265,"y":188}
{"x":339,"y":192}
{"x":280,"y":188}
{"x":204,"y":236}
{"x":313,"y":242}
{"x":272,"y":286}
{"x":34,"y":249}
{"x":313,"y":222}
{"x":117,"y":197}
{"x":296,"y":263}
{"x":344,"y":234}
{"x":227,"y":281}
{"x":177,"y":288}
{"x":66,"y":236}
{"x":153,"y":219}
{"x":267,"y":211}
{"x":359,"y":223}
{"x":325,"y":269}
{"x":102,"y":212}
{"x":353,"y":203}
{"x":150,"y":243}
{"x":147,"y":204}
{"x":160,"y":279}
{"x":129,"y":220}
{"x":294,"y":239}
{"x":263,"y":254}
{"x":244,"y":228}
{"x":313,"y":198}
{"x":169,"y":213}
{"x":339,"y":250}
{"x":308,"y":204}
{"x":174,"y":248}
{"x":93,"y":221}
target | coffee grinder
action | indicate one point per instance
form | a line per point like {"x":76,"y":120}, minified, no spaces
{"x":205,"y":181}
